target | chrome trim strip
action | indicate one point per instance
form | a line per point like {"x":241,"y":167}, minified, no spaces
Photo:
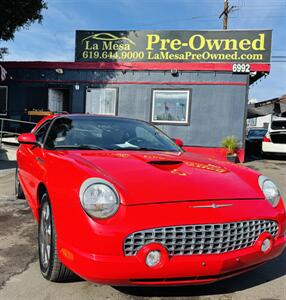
{"x":211,"y":206}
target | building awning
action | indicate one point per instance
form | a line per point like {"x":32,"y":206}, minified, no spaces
{"x":276,"y":106}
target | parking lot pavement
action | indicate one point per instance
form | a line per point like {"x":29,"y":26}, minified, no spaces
{"x":7,"y":173}
{"x":274,"y":169}
{"x":20,"y":276}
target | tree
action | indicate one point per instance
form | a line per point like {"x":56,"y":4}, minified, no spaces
{"x":16,"y":14}
{"x":3,"y":51}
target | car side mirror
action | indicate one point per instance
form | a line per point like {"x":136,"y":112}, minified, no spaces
{"x":27,"y":138}
{"x":178,"y":142}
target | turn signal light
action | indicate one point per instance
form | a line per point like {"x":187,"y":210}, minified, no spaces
{"x":153,"y":255}
{"x":153,"y":258}
{"x":266,"y":245}
{"x":266,"y":140}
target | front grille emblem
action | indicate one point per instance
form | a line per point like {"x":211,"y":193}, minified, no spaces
{"x":211,"y":206}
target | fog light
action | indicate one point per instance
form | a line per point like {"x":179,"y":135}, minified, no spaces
{"x":266,"y":245}
{"x":153,"y":258}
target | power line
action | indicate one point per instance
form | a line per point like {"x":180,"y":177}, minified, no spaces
{"x":209,"y":17}
{"x":262,"y":6}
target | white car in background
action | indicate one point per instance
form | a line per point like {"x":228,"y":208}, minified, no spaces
{"x":275,"y":139}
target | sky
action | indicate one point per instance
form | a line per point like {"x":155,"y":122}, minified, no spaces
{"x":54,"y":38}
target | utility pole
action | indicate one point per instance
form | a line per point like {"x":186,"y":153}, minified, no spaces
{"x":225,"y":16}
{"x":226,"y":11}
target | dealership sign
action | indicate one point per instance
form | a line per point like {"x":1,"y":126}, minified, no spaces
{"x":240,"y":46}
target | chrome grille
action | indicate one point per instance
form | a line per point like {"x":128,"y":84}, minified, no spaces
{"x":202,"y":238}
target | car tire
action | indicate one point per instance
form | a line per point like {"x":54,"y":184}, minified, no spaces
{"x":51,"y":267}
{"x":264,"y":155}
{"x":18,"y":188}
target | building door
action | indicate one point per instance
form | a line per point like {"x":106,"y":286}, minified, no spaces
{"x":3,"y":100}
{"x":101,"y":101}
{"x":58,"y":100}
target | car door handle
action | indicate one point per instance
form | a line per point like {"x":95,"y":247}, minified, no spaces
{"x":40,"y":160}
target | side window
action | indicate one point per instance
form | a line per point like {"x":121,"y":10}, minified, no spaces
{"x":61,"y":133}
{"x":41,"y":132}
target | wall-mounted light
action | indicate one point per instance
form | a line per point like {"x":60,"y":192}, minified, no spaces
{"x":59,"y":71}
{"x":174,"y":72}
{"x":76,"y":86}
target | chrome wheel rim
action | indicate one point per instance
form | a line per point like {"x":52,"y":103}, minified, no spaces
{"x":45,"y":235}
{"x":17,"y":184}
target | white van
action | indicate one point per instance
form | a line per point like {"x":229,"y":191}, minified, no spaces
{"x":275,"y":139}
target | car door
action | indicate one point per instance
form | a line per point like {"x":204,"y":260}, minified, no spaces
{"x":31,"y":164}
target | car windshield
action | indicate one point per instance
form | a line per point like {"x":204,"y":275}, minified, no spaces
{"x":277,"y":125}
{"x":257,"y":133}
{"x":106,"y":133}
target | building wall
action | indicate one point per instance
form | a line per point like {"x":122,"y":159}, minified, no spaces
{"x":263,"y":121}
{"x":218,"y":102}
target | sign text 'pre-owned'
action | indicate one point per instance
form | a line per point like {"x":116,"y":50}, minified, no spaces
{"x":174,"y":46}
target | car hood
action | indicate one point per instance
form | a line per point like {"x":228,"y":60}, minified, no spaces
{"x":155,"y":177}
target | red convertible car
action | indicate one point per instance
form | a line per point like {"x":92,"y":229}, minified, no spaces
{"x":120,"y":203}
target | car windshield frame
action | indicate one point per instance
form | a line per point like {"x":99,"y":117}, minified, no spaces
{"x":85,"y":146}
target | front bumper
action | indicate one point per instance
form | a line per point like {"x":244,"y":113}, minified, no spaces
{"x":178,"y":270}
{"x":270,"y":147}
{"x":94,"y":250}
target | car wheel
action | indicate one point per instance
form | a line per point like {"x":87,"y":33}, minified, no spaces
{"x":18,"y":189}
{"x":51,"y":267}
{"x":264,"y":155}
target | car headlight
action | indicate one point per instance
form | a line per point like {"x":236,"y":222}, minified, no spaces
{"x":270,"y":190}
{"x":99,"y":198}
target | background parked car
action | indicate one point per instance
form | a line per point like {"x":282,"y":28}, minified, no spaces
{"x":275,"y":139}
{"x":254,"y":139}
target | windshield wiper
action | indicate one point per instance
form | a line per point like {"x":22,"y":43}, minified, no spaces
{"x":80,"y":147}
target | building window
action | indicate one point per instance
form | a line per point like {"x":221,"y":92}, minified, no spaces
{"x":171,"y":106}
{"x":251,"y":122}
{"x":101,"y":101}
{"x":58,"y":99}
{"x":3,"y":100}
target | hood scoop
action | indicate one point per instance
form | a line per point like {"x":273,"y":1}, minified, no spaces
{"x":165,"y":164}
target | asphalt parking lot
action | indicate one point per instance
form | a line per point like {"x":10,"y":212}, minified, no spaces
{"x":20,"y":277}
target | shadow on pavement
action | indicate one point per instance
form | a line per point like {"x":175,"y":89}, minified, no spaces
{"x":8,"y":164}
{"x":253,"y":152}
{"x":263,"y":274}
{"x":253,"y":157}
{"x":275,"y":157}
